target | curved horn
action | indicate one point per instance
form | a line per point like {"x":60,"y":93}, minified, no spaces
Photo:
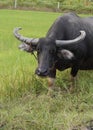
{"x":68,"y":42}
{"x":24,"y":39}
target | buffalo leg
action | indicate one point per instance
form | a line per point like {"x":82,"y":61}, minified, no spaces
{"x":73,"y":78}
{"x":51,"y":79}
{"x":51,"y":85}
{"x":73,"y":82}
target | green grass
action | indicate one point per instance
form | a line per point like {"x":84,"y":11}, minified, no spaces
{"x":24,"y":104}
{"x":16,"y":65}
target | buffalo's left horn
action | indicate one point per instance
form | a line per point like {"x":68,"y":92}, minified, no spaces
{"x":69,"y":42}
{"x":24,"y":39}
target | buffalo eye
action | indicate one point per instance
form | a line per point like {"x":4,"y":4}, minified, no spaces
{"x":38,"y":50}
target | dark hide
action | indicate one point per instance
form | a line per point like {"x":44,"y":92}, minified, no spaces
{"x":67,"y":27}
{"x":75,"y":56}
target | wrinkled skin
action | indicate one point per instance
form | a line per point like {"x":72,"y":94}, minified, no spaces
{"x":46,"y":59}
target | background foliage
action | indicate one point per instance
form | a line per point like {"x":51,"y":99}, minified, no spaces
{"x":81,"y":6}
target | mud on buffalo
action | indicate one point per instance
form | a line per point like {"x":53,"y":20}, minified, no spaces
{"x":67,"y":44}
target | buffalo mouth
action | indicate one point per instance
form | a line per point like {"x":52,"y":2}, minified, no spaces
{"x":41,"y":73}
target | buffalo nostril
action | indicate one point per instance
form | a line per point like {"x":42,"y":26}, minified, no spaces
{"x":37,"y":72}
{"x":42,"y":72}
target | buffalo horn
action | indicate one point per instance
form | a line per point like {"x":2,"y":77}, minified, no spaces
{"x":68,"y":42}
{"x":24,"y":39}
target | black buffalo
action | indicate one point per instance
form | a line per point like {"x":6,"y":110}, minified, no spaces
{"x":67,"y":44}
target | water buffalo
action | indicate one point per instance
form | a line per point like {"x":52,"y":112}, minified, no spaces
{"x":67,"y":44}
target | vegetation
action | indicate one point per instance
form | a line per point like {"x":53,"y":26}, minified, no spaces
{"x":80,"y":6}
{"x":24,"y":103}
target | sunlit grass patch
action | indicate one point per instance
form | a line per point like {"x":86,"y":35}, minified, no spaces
{"x":24,"y":103}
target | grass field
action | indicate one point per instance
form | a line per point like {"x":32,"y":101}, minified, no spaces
{"x":24,"y":104}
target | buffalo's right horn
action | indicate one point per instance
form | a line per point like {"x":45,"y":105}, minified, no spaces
{"x":73,"y":41}
{"x":24,"y":39}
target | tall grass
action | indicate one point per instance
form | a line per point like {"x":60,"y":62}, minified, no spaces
{"x":24,"y":104}
{"x":17,"y":67}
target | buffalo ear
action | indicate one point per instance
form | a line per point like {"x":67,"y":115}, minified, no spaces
{"x":66,"y":54}
{"x":27,"y":48}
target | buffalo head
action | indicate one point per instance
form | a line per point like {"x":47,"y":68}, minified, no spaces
{"x":48,"y":50}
